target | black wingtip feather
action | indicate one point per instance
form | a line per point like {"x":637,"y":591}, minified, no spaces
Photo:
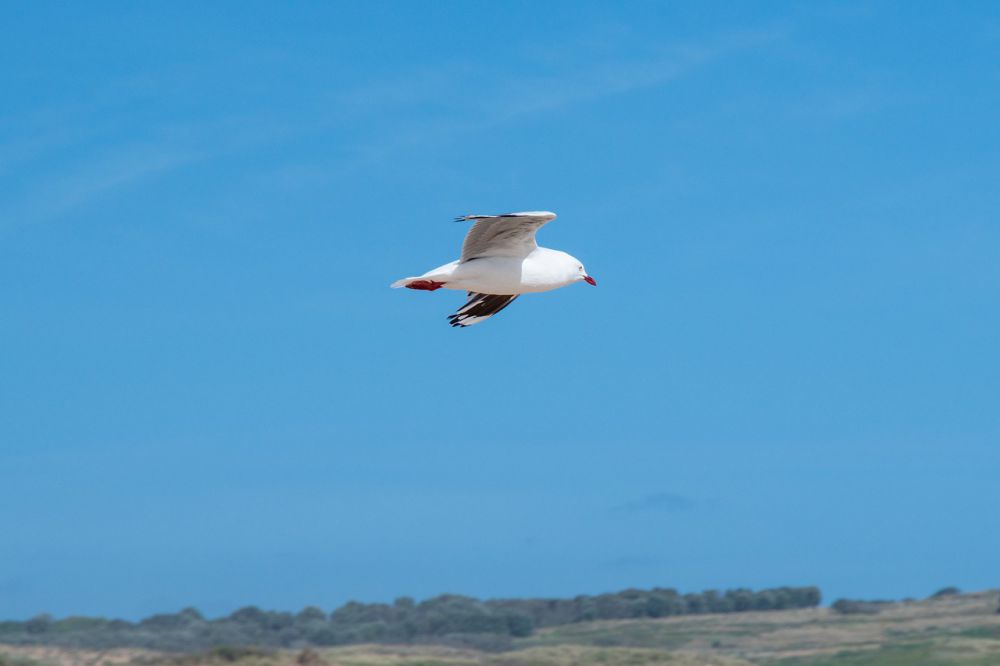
{"x":479,"y":307}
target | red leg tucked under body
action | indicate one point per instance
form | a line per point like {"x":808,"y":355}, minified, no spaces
{"x":425,"y":285}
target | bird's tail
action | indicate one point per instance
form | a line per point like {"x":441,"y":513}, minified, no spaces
{"x":420,"y":283}
{"x":430,"y":280}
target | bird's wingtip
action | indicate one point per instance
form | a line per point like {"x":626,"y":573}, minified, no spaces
{"x":546,"y":215}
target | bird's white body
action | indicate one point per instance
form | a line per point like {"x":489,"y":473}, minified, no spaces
{"x":500,"y":261}
{"x":542,"y":270}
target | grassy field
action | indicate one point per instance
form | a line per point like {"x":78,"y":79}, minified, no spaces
{"x":957,"y":630}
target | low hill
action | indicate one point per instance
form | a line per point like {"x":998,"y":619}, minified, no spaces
{"x":450,"y":619}
{"x":953,"y":629}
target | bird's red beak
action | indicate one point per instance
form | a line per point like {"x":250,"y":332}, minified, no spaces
{"x":590,"y":280}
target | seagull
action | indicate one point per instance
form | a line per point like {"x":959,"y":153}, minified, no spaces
{"x":500,"y":261}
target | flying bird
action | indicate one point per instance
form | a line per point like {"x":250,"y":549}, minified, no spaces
{"x":500,"y":261}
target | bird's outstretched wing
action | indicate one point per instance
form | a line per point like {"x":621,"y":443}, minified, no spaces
{"x":480,"y":307}
{"x":509,"y":235}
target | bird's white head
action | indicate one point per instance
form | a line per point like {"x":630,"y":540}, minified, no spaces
{"x":578,"y":272}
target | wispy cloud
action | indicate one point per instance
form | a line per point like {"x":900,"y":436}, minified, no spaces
{"x":627,"y":562}
{"x":73,"y":152}
{"x":61,"y":193}
{"x":62,"y":185}
{"x":510,"y":99}
{"x":432,"y":104}
{"x":657,"y":503}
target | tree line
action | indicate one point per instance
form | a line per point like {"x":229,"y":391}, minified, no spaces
{"x":448,"y":618}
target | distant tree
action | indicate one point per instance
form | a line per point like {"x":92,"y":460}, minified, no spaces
{"x":311,"y":614}
{"x":631,"y":594}
{"x":657,"y":606}
{"x":354,"y":612}
{"x":612,"y":607}
{"x":519,"y":625}
{"x":191,"y":614}
{"x":723,"y":605}
{"x":248,"y":615}
{"x":695,"y":604}
{"x":764,"y":600}
{"x":325,"y":635}
{"x":10,"y":627}
{"x":809,"y":597}
{"x":163,"y":621}
{"x":782,"y":598}
{"x":76,"y":623}
{"x":949,"y":591}
{"x":586,"y":609}
{"x":38,"y":624}
{"x":742,"y":599}
{"x":666,"y":603}
{"x":278,"y":620}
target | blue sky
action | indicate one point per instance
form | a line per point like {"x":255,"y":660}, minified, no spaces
{"x":209,"y":396}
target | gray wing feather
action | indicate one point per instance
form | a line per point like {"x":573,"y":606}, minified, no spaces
{"x":509,"y":235}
